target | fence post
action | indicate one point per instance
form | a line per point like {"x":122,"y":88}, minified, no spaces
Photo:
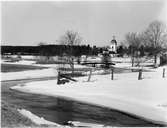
{"x":90,"y":75}
{"x":58,"y":78}
{"x":163,"y":73}
{"x":112,"y":73}
{"x":140,"y":74}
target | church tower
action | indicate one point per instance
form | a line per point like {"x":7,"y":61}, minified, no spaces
{"x":113,"y":45}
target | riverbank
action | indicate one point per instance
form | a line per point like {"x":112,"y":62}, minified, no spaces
{"x":10,"y":117}
{"x":143,"y":98}
{"x":62,"y":110}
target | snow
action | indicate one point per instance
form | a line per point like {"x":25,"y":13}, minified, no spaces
{"x":51,"y":72}
{"x":34,"y":118}
{"x":81,"y":66}
{"x":129,"y":66}
{"x":146,"y":98}
{"x":28,"y":57}
{"x":90,"y":58}
{"x":129,"y":60}
{"x":121,"y":60}
{"x":83,"y":124}
{"x":41,"y":121}
{"x":94,"y":59}
{"x":33,"y":63}
{"x":22,"y":62}
{"x":122,"y":65}
{"x":38,"y":73}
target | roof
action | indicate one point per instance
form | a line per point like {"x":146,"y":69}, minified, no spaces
{"x":114,"y":41}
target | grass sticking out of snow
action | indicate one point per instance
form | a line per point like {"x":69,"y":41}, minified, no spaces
{"x":36,"y":119}
{"x":10,"y":117}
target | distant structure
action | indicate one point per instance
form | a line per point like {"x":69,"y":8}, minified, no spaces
{"x":113,"y":46}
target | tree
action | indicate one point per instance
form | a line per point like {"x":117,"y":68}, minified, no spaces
{"x":70,"y":38}
{"x":142,"y":49}
{"x":134,"y":42}
{"x":106,"y":59}
{"x":121,"y":50}
{"x":155,"y":37}
{"x":44,"y":55}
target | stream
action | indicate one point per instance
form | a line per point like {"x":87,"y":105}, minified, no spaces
{"x":61,"y":111}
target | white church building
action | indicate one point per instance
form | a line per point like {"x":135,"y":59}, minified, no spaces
{"x":113,"y":46}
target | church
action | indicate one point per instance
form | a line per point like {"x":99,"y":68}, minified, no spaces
{"x":113,"y":46}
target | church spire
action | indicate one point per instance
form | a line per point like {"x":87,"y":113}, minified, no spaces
{"x":114,"y":40}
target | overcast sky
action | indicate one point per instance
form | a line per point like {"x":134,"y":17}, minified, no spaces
{"x":28,"y":23}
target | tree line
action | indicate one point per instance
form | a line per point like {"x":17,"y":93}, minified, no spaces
{"x":50,"y":50}
{"x":150,"y":42}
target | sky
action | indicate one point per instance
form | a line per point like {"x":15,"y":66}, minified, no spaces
{"x":29,"y":23}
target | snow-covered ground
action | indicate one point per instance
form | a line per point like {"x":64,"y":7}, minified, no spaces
{"x":29,"y":62}
{"x":41,"y":121}
{"x":129,"y":66}
{"x":128,"y":59}
{"x":24,"y":62}
{"x":122,"y":60}
{"x":28,"y":57}
{"x":33,"y":63}
{"x":146,"y":98}
{"x":51,"y":72}
{"x":38,"y":73}
{"x":35,"y":118}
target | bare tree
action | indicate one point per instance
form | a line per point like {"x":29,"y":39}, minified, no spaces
{"x":43,"y":57}
{"x":134,"y":42}
{"x":155,"y":37}
{"x":70,"y":38}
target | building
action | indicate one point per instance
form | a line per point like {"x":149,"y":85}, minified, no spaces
{"x":113,"y":46}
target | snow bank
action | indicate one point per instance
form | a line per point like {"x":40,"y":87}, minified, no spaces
{"x":41,"y":121}
{"x":28,"y":57}
{"x":80,"y":66}
{"x":25,"y":62}
{"x":123,"y":65}
{"x":89,"y":125}
{"x":122,"y":60}
{"x":143,"y":98}
{"x":22,"y":62}
{"x":29,"y":62}
{"x":94,"y":59}
{"x":33,"y":63}
{"x":129,"y":60}
{"x":51,"y":72}
{"x":41,"y":73}
{"x":36,"y":119}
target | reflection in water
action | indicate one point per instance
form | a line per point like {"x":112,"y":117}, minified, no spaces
{"x":67,"y":107}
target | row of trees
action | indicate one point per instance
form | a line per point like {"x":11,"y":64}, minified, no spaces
{"x":50,"y":50}
{"x":152,"y":41}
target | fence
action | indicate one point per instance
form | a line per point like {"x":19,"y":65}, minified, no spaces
{"x":111,"y":71}
{"x":139,"y":70}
